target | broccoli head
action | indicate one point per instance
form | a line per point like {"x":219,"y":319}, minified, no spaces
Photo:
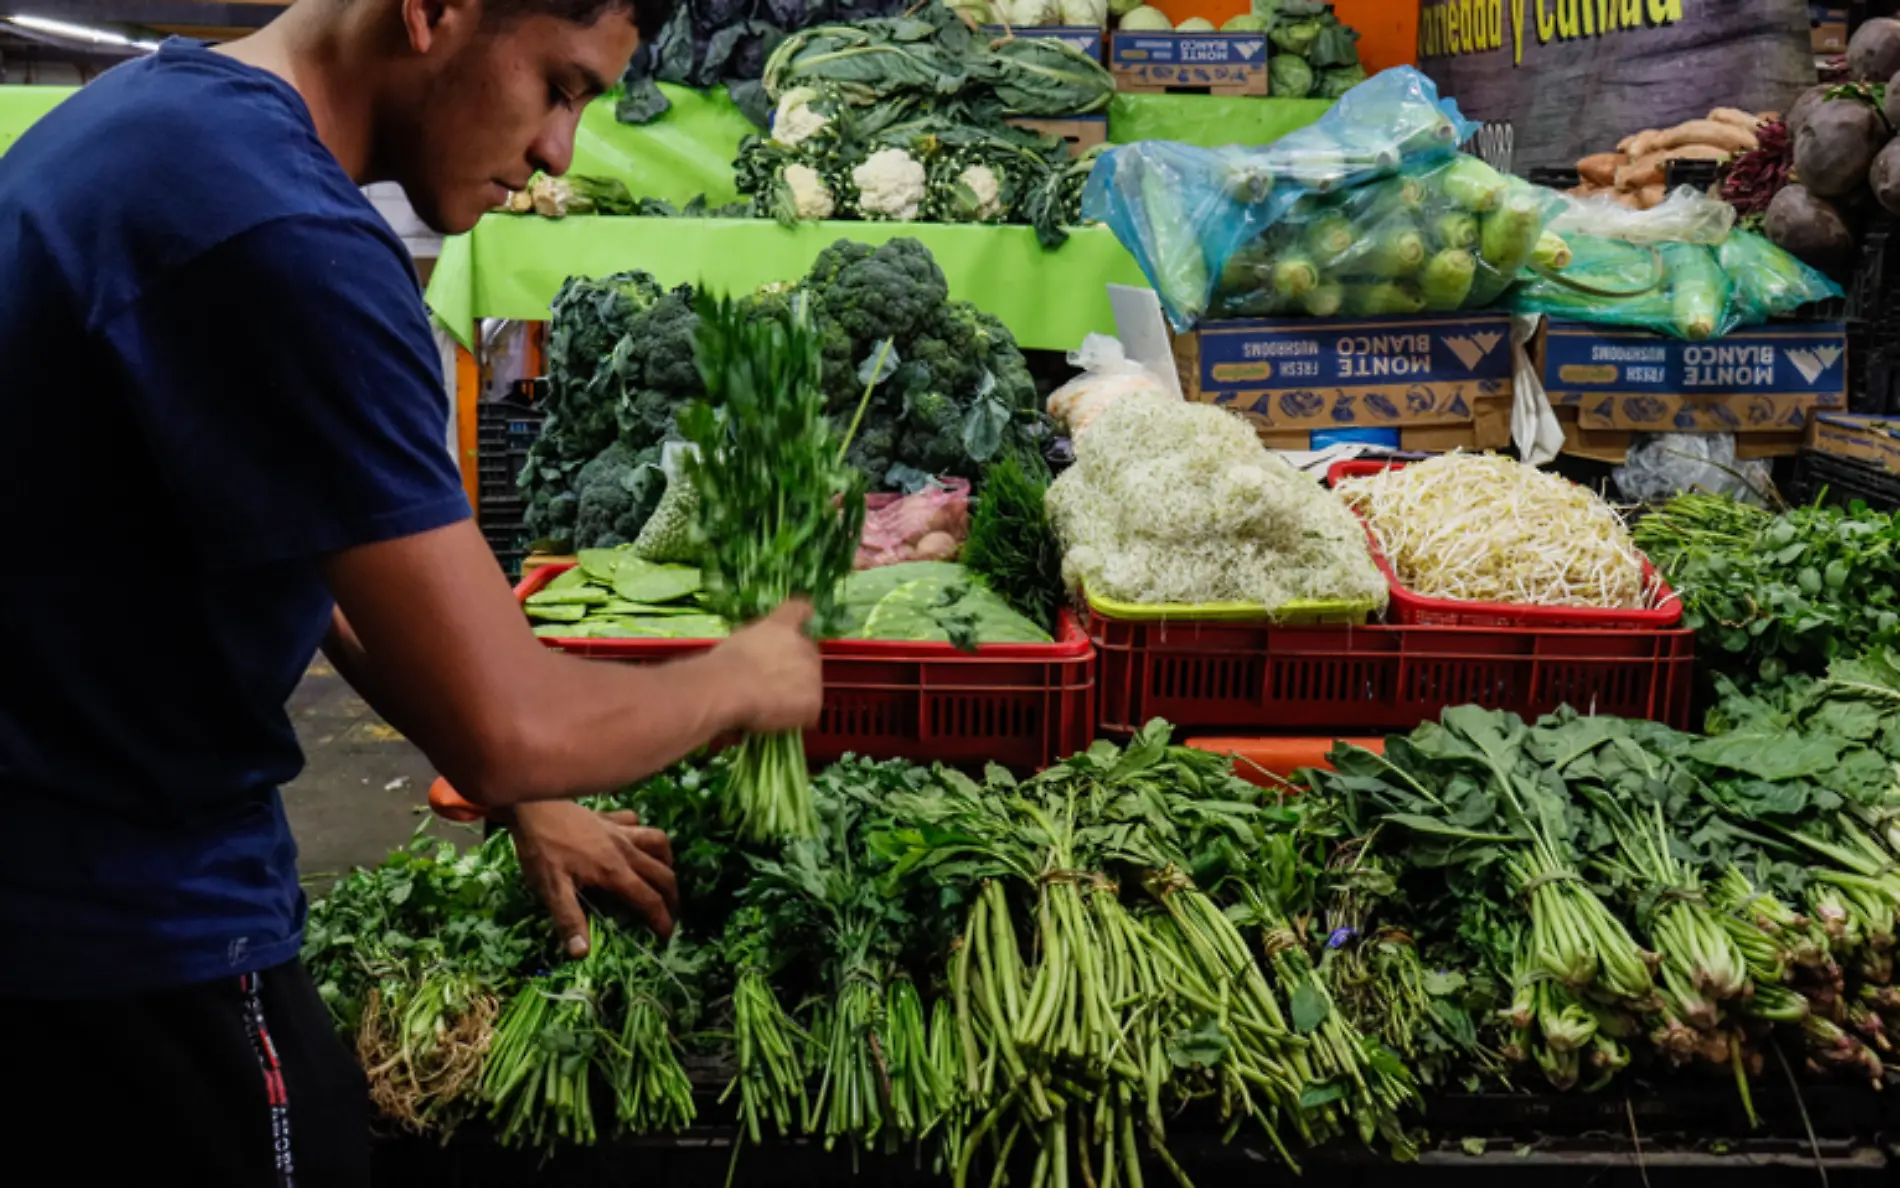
{"x":877,"y":293}
{"x":616,"y":494}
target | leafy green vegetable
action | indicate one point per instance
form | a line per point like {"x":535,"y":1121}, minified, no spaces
{"x":781,"y":511}
{"x":638,"y":580}
{"x":1012,"y":548}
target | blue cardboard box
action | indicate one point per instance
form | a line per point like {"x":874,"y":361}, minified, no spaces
{"x":1352,"y":373}
{"x":1767,"y":379}
{"x":1219,"y":63}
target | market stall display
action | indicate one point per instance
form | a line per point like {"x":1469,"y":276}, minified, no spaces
{"x":1573,"y":901}
{"x":932,"y":387}
{"x":1634,"y":173}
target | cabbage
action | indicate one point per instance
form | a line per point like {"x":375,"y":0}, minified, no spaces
{"x":1029,"y":14}
{"x":1121,"y":8}
{"x":1144,"y":19}
{"x":977,"y":12}
{"x":1246,"y":22}
{"x":1195,"y":25}
{"x":1289,"y":77}
{"x":1093,"y":13}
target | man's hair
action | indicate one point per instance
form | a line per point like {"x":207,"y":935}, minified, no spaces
{"x":649,"y":16}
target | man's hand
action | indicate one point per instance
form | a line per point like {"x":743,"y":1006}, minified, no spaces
{"x":566,"y":849}
{"x":776,"y":668}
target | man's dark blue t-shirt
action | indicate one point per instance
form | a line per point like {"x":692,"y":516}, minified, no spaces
{"x":218,"y":370}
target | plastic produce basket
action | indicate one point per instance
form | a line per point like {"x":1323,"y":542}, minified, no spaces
{"x":1309,"y":612}
{"x":1417,"y":610}
{"x":1354,"y":680}
{"x":1020,"y":705}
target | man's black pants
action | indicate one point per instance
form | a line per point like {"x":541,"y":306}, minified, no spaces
{"x":242,"y":1082}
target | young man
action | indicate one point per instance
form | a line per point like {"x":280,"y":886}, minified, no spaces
{"x":225,"y":420}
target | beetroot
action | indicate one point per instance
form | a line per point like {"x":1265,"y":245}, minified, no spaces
{"x":1884,"y":177}
{"x":1874,"y":53}
{"x":1835,"y":146}
{"x":1809,"y":227}
{"x":1804,"y":107}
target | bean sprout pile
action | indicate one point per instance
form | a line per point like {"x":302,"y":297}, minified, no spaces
{"x":1485,"y":528}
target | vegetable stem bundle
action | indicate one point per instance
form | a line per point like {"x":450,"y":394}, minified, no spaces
{"x":780,"y":511}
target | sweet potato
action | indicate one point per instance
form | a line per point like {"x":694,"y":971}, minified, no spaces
{"x":1600,"y":169}
{"x":1648,"y":171}
{"x":1650,"y":196}
{"x":1715,"y":132}
{"x":1644,"y":142}
{"x":1623,"y":145}
{"x":1735,"y":116}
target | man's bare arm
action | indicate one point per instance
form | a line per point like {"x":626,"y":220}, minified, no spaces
{"x":451,"y":662}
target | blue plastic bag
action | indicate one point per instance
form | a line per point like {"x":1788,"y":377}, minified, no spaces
{"x":1185,"y":212}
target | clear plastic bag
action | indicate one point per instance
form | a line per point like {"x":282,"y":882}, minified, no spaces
{"x":1686,"y":216}
{"x":1183,"y":212}
{"x":930,"y":525}
{"x":1107,"y":375}
{"x":1665,"y":465}
{"x":1684,"y":290}
{"x":1447,"y":234}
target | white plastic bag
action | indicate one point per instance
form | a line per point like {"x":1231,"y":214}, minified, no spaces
{"x":1686,"y":216}
{"x":1108,"y":375}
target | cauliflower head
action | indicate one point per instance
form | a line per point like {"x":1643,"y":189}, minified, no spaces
{"x":890,"y":185}
{"x":811,"y":197}
{"x":796,"y":120}
{"x":986,"y":191}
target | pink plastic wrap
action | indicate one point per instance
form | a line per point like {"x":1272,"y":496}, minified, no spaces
{"x":928,"y":526}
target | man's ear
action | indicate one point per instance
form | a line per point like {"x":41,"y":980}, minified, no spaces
{"x":432,"y":25}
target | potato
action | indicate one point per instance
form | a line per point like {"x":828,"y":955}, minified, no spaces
{"x":1600,"y":169}
{"x":937,"y":546}
{"x":1728,"y":136}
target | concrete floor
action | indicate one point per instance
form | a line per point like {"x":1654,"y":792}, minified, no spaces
{"x":364,"y":788}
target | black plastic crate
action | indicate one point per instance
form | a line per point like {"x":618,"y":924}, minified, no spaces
{"x":1842,"y":481}
{"x":507,"y":427}
{"x":1697,"y":175}
{"x":1554,"y":177}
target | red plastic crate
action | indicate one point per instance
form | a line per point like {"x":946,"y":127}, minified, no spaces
{"x":1021,"y":705}
{"x":1226,"y":676}
{"x":1418,"y":610}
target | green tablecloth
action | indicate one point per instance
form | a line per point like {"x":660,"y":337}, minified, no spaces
{"x":511,"y":265}
{"x":21,"y":106}
{"x":689,"y":151}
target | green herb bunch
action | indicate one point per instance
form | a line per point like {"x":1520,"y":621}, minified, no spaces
{"x":1771,"y":595}
{"x":780,"y":511}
